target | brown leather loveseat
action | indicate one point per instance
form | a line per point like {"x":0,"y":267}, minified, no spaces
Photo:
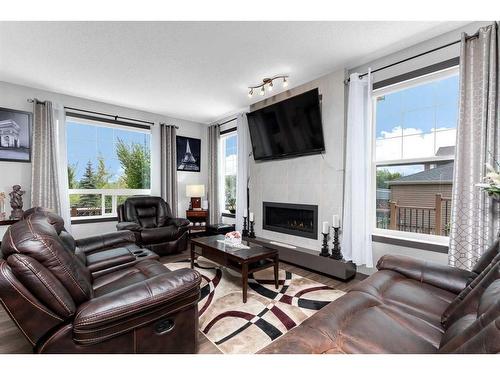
{"x":62,"y":307}
{"x":408,"y":306}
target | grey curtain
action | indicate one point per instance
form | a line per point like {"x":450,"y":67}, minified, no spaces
{"x":475,"y":216}
{"x":213,"y":188}
{"x":169,"y":166}
{"x":44,"y":169}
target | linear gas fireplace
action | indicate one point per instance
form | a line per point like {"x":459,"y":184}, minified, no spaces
{"x":295,"y":219}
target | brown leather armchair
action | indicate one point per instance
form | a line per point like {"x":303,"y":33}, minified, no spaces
{"x":150,"y":219}
{"x":61,"y":307}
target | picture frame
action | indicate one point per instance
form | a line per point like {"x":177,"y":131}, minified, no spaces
{"x":15,"y":135}
{"x":188,"y":154}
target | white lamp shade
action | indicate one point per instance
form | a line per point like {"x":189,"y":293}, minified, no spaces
{"x":195,"y":191}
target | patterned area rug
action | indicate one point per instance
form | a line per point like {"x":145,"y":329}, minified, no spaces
{"x":245,"y":328}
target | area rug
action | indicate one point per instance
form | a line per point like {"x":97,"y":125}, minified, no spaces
{"x":245,"y":328}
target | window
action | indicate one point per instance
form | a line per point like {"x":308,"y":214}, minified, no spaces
{"x":106,"y":164}
{"x":415,"y":129}
{"x":229,"y":168}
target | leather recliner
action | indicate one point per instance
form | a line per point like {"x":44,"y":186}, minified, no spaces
{"x":408,"y":306}
{"x":61,"y":307}
{"x":150,"y":219}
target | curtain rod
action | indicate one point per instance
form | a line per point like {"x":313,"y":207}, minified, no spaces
{"x":225,"y":122}
{"x":347,"y":80}
{"x":35,"y":100}
{"x":115,"y":117}
{"x":175,"y":126}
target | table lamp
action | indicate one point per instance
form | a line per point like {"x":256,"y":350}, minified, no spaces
{"x":195,"y":192}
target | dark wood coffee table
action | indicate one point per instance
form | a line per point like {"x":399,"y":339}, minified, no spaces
{"x":244,"y":261}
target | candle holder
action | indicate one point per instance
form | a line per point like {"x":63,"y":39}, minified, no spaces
{"x":245,"y":227}
{"x":336,"y":253}
{"x":324,"y":248}
{"x":252,"y":232}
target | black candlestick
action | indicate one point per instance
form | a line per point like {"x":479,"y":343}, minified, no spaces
{"x":336,"y":253}
{"x":252,"y":233}
{"x":324,"y":248}
{"x":245,"y":228}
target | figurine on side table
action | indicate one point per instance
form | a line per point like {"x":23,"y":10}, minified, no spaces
{"x":16,"y":202}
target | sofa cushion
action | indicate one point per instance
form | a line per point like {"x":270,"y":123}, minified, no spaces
{"x":477,"y":333}
{"x":109,"y":258}
{"x":359,"y":323}
{"x":158,"y":235}
{"x":423,"y":301}
{"x":37,"y":238}
{"x":147,"y":211}
{"x":119,"y":279}
{"x":461,"y":296}
{"x":42,"y":284}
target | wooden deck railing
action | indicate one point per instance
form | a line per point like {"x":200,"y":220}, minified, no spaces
{"x":430,"y":220}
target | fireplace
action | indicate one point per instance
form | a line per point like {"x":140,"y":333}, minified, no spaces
{"x":295,"y":219}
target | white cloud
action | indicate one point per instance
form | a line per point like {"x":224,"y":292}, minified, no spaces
{"x":413,"y":144}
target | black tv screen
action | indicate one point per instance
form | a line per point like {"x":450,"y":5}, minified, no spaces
{"x":289,"y":128}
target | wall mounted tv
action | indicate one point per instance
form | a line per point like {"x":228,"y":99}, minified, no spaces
{"x":289,"y":128}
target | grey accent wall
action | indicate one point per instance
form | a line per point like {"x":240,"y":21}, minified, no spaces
{"x":315,"y":179}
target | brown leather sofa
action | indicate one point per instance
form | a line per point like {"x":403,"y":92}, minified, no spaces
{"x":62,"y":307}
{"x":408,"y":306}
{"x":150,"y":219}
{"x":102,"y":253}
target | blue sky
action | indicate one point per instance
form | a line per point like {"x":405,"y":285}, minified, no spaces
{"x":88,"y":142}
{"x":422,"y":107}
{"x":231,"y":145}
{"x":415,"y":122}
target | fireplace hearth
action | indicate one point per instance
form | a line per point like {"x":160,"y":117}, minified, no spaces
{"x":294,"y":219}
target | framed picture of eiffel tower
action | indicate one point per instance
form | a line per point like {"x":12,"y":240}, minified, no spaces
{"x":188,"y":154}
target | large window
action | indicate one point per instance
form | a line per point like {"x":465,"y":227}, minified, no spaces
{"x":415,"y":129}
{"x":106,"y":164}
{"x":228,"y":156}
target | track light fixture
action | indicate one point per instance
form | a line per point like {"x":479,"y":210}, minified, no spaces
{"x":267,"y":82}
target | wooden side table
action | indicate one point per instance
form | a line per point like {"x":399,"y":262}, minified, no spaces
{"x":197,"y":216}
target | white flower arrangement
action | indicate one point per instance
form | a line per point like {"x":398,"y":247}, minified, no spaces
{"x":491,"y":183}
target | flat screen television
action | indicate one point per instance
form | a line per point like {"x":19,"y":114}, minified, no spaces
{"x":289,"y":128}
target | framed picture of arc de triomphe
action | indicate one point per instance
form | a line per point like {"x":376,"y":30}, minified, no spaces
{"x":15,"y":135}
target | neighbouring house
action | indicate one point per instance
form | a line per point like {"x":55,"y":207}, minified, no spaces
{"x":9,"y":134}
{"x":416,"y":199}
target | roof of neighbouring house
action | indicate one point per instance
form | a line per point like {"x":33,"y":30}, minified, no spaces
{"x":446,"y":151}
{"x":439,"y":175}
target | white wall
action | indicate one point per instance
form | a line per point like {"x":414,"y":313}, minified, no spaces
{"x":15,"y":97}
{"x":315,"y":179}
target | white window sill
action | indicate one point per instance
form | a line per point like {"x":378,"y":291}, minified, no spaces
{"x":421,"y":241}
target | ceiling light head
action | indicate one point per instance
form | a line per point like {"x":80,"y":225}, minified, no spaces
{"x":250,"y":93}
{"x":262,"y":91}
{"x":285,"y":82}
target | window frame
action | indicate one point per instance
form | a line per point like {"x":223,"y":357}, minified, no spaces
{"x":114,"y":193}
{"x":429,"y":242}
{"x":226,"y":134}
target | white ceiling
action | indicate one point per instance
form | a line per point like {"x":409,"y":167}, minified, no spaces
{"x":191,"y":70}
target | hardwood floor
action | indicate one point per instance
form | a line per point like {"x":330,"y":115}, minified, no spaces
{"x":12,"y":340}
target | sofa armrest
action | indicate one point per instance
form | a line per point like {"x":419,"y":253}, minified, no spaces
{"x":441,"y":276}
{"x":178,"y":222}
{"x":105,"y":241}
{"x":123,"y":310}
{"x":128,"y":225}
